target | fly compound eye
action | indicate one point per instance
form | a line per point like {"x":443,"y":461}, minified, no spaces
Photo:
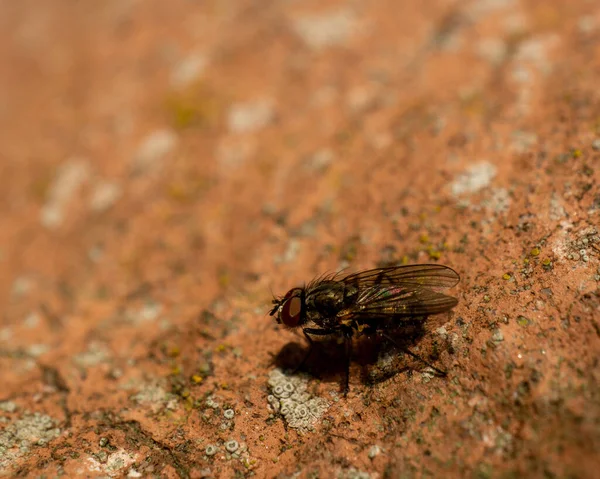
{"x":291,"y":310}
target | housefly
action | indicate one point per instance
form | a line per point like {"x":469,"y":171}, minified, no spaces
{"x":369,"y":303}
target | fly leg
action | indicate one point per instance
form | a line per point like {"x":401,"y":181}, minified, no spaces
{"x":315,"y":332}
{"x":410,"y":353}
{"x":348,"y":351}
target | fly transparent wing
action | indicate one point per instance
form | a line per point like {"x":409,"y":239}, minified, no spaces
{"x":383,"y":302}
{"x":413,"y":277}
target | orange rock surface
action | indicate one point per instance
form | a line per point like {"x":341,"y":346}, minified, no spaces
{"x":167,"y":166}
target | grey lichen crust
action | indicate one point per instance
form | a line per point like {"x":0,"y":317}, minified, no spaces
{"x":20,"y":437}
{"x":290,"y":398}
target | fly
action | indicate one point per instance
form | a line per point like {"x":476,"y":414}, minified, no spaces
{"x":369,"y":302}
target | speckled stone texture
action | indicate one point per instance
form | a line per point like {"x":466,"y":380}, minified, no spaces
{"x":166,"y":167}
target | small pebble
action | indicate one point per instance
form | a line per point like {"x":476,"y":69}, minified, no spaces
{"x":596,"y":144}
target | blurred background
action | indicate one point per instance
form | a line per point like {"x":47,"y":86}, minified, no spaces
{"x":166,"y":167}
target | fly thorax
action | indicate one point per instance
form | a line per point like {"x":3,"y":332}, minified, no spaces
{"x":324,"y":304}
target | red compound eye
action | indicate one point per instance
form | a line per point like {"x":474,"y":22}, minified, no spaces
{"x":291,"y":310}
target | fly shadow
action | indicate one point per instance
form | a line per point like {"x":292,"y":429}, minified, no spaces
{"x":381,"y":356}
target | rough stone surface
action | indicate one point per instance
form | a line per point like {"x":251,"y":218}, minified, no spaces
{"x":167,"y":166}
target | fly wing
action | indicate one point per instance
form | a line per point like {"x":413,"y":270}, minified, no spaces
{"x":411,"y":277}
{"x":384,"y":302}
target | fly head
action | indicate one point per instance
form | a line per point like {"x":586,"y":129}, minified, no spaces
{"x":290,"y":309}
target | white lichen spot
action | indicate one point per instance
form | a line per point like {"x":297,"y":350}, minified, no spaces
{"x":492,"y":50}
{"x":211,"y":450}
{"x":498,"y":201}
{"x":374,"y":451}
{"x":475,"y":178}
{"x":427,"y":375}
{"x":32,"y":320}
{"x":36,"y":350}
{"x":587,"y":24}
{"x":586,"y":243}
{"x":231,"y":152}
{"x":522,"y":75}
{"x":119,"y":460}
{"x":96,"y":354}
{"x":360,"y":98}
{"x":104,"y":195}
{"x":212,"y":402}
{"x":6,"y":334}
{"x":523,"y":141}
{"x":153,"y":149}
{"x":515,"y":24}
{"x":556,"y":209}
{"x":8,"y":406}
{"x":497,"y":336}
{"x":320,"y":160}
{"x":229,"y":414}
{"x":535,"y":51}
{"x":232,"y":446}
{"x":114,"y":465}
{"x":327,"y":29}
{"x":69,"y":179}
{"x":481,"y":8}
{"x":21,"y":286}
{"x":188,"y":70}
{"x":154,"y":396}
{"x":250,"y":116}
{"x":299,"y":408}
{"x":149,"y":312}
{"x":353,"y":473}
{"x":290,"y":254}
